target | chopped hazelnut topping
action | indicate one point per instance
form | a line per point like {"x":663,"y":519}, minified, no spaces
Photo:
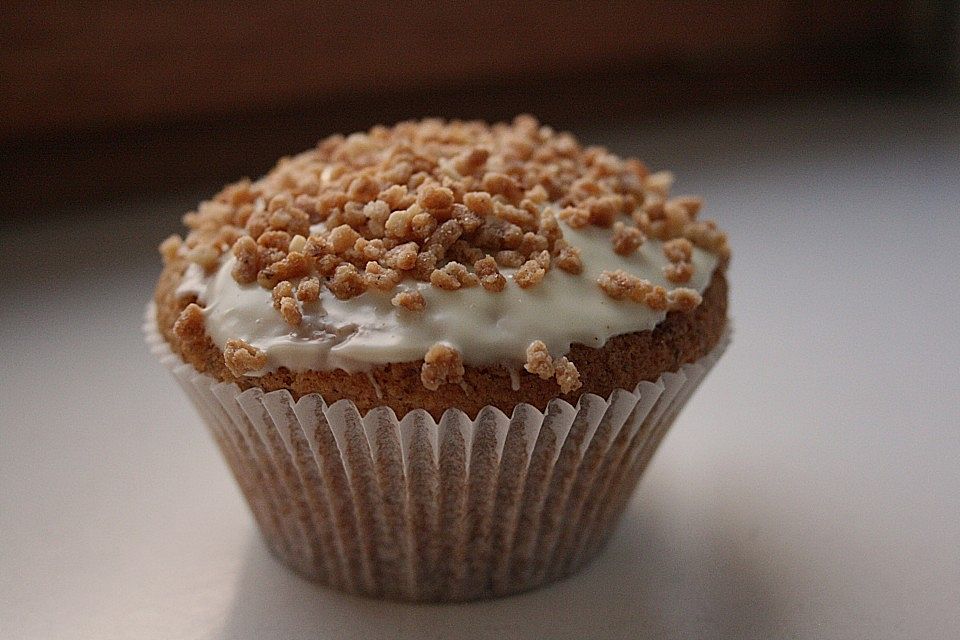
{"x":381,"y":278}
{"x":567,"y":375}
{"x":656,"y":299}
{"x":410,"y":300}
{"x":576,"y":217}
{"x":490,"y":277}
{"x":510,"y":259}
{"x":347,"y":282}
{"x":308,"y":290}
{"x":420,"y":200}
{"x":283,"y":290}
{"x":533,"y":243}
{"x":569,"y":260}
{"x":604,"y":210}
{"x":678,"y":272}
{"x":294,"y":266}
{"x":618,"y":284}
{"x":247,"y":263}
{"x":678,"y":250}
{"x":242,"y":358}
{"x":297,"y":243}
{"x":626,"y":239}
{"x":207,"y":256}
{"x":683,"y":299}
{"x":402,"y":257}
{"x":539,"y":361}
{"x":479,"y":202}
{"x":441,"y":364}
{"x":342,"y":238}
{"x":422,"y":225}
{"x":453,"y":276}
{"x":659,"y":182}
{"x":435,"y":199}
{"x":692,"y":204}
{"x":290,"y":311}
{"x":189,"y":325}
{"x":621,"y":285}
{"x":170,"y":247}
{"x":529,"y":274}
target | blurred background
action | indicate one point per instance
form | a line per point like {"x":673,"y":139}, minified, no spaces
{"x":112,"y":98}
{"x":809,"y":490}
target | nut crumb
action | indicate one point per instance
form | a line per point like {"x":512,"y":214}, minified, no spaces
{"x":242,"y":358}
{"x":347,"y":282}
{"x":539,"y":361}
{"x":283,"y":290}
{"x":568,"y":377}
{"x":290,"y":311}
{"x":381,"y":278}
{"x":453,"y":276}
{"x":441,"y":364}
{"x":683,"y":299}
{"x":678,"y":272}
{"x":247,"y":260}
{"x":569,"y":260}
{"x":409,"y":300}
{"x":189,"y":326}
{"x":678,"y":250}
{"x":170,"y":248}
{"x":529,"y":274}
{"x":626,"y":239}
{"x":490,"y":277}
{"x":308,"y":290}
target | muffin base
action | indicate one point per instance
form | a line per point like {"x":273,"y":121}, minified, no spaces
{"x":444,"y":510}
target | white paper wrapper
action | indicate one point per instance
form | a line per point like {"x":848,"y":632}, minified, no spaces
{"x":416,"y":509}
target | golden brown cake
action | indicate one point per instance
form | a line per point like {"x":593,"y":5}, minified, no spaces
{"x":534,"y":297}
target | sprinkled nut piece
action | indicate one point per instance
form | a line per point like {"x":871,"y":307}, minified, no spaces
{"x":242,"y":358}
{"x":282,"y":290}
{"x":539,"y":361}
{"x":568,"y":377}
{"x":683,"y":299}
{"x":247,"y":263}
{"x":189,"y":325}
{"x":409,"y":300}
{"x":294,"y":266}
{"x":490,"y":277}
{"x":290,"y":311}
{"x":441,"y":364}
{"x":529,"y":274}
{"x":570,"y":261}
{"x":347,"y":282}
{"x":380,"y":278}
{"x":679,"y":252}
{"x":626,"y":239}
{"x":308,"y":290}
{"x":452,"y":277}
{"x":621,"y":285}
{"x":678,"y":272}
{"x":170,"y":247}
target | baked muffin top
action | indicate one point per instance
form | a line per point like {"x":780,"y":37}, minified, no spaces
{"x":455,"y":243}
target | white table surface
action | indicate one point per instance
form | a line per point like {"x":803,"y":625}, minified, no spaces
{"x":810,"y":490}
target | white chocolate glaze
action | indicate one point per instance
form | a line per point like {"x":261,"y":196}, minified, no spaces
{"x":486,"y":328}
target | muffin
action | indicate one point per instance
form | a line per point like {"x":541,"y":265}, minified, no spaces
{"x":438,"y":356}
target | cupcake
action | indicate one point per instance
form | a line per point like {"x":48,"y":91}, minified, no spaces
{"x":438,"y":356}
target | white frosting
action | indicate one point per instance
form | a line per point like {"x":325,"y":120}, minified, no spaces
{"x":486,"y":328}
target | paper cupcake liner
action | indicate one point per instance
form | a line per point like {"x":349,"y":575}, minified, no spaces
{"x":414,"y":509}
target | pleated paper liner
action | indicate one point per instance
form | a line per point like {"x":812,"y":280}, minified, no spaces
{"x":414,"y":509}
